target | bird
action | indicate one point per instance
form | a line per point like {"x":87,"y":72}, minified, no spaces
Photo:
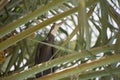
{"x":45,"y":52}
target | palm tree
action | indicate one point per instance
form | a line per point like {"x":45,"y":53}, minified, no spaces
{"x":87,"y":40}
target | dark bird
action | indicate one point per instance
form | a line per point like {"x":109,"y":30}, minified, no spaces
{"x":44,"y":52}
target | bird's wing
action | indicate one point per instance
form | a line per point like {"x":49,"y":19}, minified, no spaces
{"x":37,"y":53}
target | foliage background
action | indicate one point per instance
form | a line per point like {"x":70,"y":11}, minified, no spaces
{"x":87,"y":40}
